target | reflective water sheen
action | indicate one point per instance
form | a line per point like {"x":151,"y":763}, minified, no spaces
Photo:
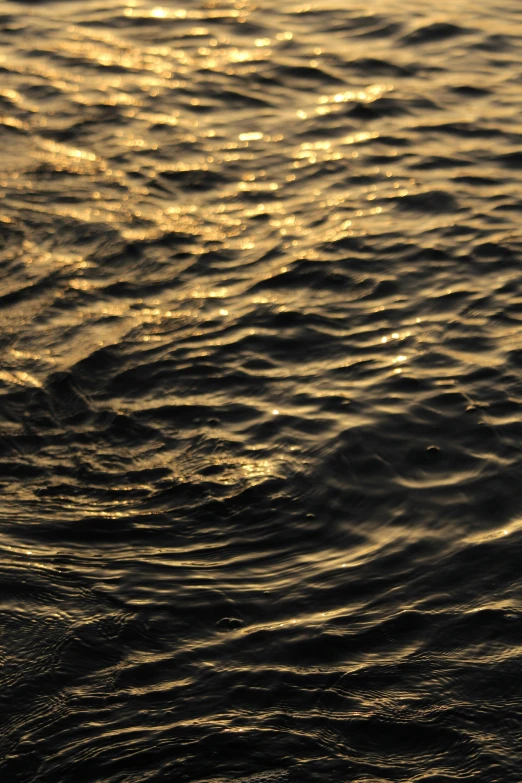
{"x":261,"y":387}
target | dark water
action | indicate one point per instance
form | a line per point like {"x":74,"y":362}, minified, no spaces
{"x":261,"y":386}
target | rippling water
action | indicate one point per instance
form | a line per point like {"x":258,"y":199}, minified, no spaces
{"x":261,"y":387}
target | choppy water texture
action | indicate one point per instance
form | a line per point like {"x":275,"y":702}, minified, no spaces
{"x":261,"y":385}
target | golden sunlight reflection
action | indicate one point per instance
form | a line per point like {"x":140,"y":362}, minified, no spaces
{"x":368,"y":95}
{"x":261,"y":388}
{"x":19,"y":377}
{"x":138,"y":186}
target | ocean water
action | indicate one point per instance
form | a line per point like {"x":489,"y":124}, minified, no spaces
{"x":260,"y":391}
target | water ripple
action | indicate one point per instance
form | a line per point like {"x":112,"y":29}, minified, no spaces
{"x":261,"y":388}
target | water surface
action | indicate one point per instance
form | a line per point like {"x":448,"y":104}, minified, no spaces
{"x":261,"y":385}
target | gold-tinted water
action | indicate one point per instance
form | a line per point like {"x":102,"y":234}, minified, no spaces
{"x":261,"y":388}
